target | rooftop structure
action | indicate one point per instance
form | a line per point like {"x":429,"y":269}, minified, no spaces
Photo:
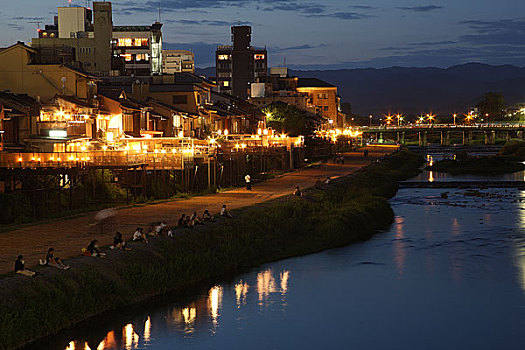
{"x":239,"y":65}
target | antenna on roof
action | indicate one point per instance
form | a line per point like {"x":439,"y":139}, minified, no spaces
{"x":37,"y":24}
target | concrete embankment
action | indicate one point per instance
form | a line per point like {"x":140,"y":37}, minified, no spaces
{"x":350,"y":209}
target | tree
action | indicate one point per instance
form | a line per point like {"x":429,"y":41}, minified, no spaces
{"x":493,"y":105}
{"x":290,"y":120}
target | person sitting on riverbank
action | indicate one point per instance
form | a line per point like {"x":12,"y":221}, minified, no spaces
{"x":195,"y":219}
{"x":160,"y":227}
{"x":92,"y":249}
{"x":21,"y":269}
{"x":52,"y":260}
{"x":118,"y":242}
{"x":297,"y":192}
{"x":225,"y":212}
{"x":206,"y":216}
{"x":327,"y":181}
{"x":171,"y":232}
{"x":182,"y":221}
{"x":139,"y":236}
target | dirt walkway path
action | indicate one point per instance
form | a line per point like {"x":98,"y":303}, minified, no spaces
{"x":68,"y":236}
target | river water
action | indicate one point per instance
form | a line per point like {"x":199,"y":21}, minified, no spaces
{"x":448,"y":274}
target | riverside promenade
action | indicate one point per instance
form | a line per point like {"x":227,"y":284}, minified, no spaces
{"x":68,"y":236}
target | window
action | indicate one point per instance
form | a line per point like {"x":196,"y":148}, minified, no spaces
{"x":223,"y":57}
{"x":124,"y":42}
{"x":142,"y":57}
{"x":226,"y":83}
{"x":325,"y":108}
{"x":180,"y":99}
{"x":259,"y":56}
{"x":126,"y":56}
{"x":140,"y":42}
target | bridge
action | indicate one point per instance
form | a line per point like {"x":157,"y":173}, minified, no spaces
{"x":445,"y":131}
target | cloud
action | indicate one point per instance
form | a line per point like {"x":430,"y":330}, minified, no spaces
{"x":306,"y":8}
{"x":208,"y":22}
{"x":295,"y":48}
{"x":23,"y":18}
{"x":363,"y":7}
{"x":498,"y":32}
{"x":433,"y":43}
{"x":344,"y":15}
{"x":15,"y":26}
{"x":427,"y":8}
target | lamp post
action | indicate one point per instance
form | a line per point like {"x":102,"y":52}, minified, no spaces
{"x":370,"y":117}
{"x":455,"y":115}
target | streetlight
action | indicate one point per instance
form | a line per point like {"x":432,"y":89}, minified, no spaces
{"x":455,"y":115}
{"x":431,"y":118}
{"x":388,"y":119}
{"x":370,"y":117}
{"x":487,"y":115}
{"x":399,"y":119}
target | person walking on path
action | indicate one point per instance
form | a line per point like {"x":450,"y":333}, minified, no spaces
{"x":248,"y":180}
{"x":21,"y":269}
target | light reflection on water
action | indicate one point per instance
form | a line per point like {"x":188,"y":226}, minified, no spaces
{"x":434,"y":176}
{"x":449,"y":271}
{"x":205,"y":310}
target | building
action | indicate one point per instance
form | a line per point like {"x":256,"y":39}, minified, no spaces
{"x":323,"y":97}
{"x":21,"y":73}
{"x":178,"y":61}
{"x":140,"y":48}
{"x":87,"y":39}
{"x":240,"y":64}
{"x":309,"y":94}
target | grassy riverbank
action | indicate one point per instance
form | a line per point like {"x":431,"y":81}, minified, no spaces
{"x":348,"y":210}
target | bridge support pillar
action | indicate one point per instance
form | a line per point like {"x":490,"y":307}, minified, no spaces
{"x":467,"y":138}
{"x":445,"y":138}
{"x":422,"y":139}
{"x":507,"y":136}
{"x":490,"y":137}
{"x":519,"y":134}
{"x":380,"y":138}
{"x":402,"y":141}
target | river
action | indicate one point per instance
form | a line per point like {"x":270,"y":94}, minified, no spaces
{"x":448,"y":274}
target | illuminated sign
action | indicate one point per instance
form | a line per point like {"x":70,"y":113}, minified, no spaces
{"x":57,"y":133}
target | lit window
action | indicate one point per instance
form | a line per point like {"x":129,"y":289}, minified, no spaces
{"x":140,"y":42}
{"x":226,"y":83}
{"x":141,"y":57}
{"x":224,"y":57}
{"x":124,"y":42}
{"x":126,"y":56}
{"x":259,"y":56}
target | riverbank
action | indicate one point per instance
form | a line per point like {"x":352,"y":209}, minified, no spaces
{"x":350,"y":209}
{"x":67,"y":236}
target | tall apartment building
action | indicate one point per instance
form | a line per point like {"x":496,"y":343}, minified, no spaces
{"x":240,"y":64}
{"x":88,"y":40}
{"x":178,"y":61}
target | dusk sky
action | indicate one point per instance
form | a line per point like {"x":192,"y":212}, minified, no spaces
{"x":324,"y":34}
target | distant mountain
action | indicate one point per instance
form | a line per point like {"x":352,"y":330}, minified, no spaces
{"x":420,"y":90}
{"x":207,"y":72}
